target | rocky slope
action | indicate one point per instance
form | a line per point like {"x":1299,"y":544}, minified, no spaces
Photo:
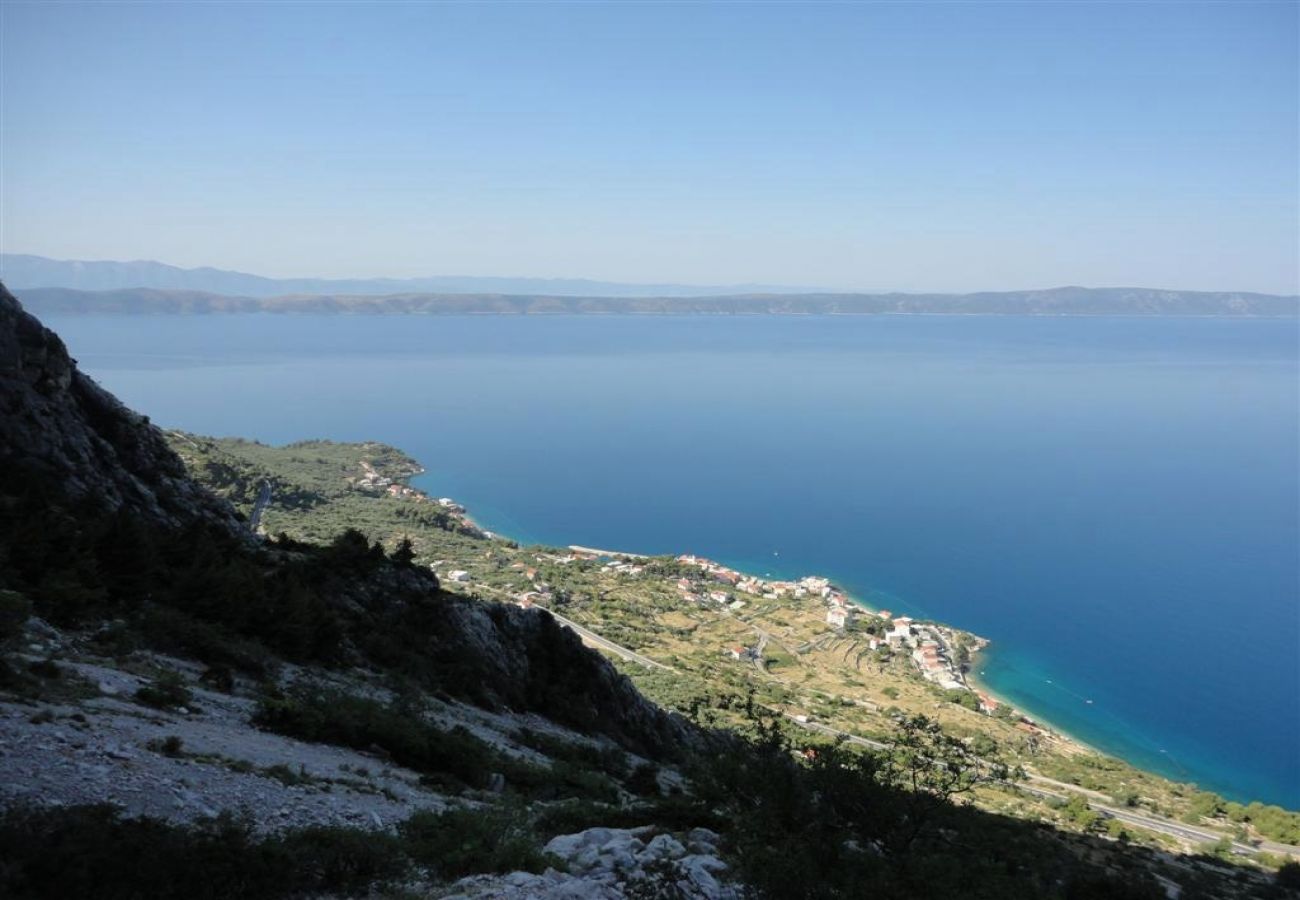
{"x":59,"y":431}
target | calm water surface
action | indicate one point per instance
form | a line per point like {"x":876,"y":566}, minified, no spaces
{"x":1113,"y":502}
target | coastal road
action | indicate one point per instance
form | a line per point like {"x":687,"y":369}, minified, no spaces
{"x":1190,"y":833}
{"x":590,"y":637}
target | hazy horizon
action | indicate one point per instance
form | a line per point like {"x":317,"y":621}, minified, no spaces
{"x":523,"y":277}
{"x":873,"y":147}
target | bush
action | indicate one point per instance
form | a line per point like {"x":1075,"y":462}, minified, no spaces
{"x":962,"y":698}
{"x":167,"y":691}
{"x":644,"y":780}
{"x":219,"y":678}
{"x":462,"y":842}
{"x":334,"y":717}
{"x":93,"y":851}
{"x":172,"y":746}
{"x":344,"y":860}
{"x":610,"y":760}
{"x":556,"y":781}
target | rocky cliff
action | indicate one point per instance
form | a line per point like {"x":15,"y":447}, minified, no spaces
{"x":60,"y":431}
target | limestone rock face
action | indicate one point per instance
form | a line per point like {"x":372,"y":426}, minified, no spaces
{"x":615,"y":863}
{"x":60,"y":430}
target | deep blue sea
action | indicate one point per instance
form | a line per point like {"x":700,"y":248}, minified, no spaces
{"x":1114,"y":502}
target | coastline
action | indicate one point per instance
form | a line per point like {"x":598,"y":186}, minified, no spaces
{"x":1061,"y":735}
{"x":1049,"y":730}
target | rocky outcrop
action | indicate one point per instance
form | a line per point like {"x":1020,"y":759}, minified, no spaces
{"x":60,"y":432}
{"x":613,"y":864}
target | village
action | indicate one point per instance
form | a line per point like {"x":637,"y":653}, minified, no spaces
{"x":931,"y":646}
{"x":933,"y":649}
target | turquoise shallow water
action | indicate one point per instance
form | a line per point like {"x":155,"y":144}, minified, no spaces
{"x":1112,"y":502}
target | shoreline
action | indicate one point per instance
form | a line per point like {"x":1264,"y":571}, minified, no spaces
{"x":972,"y":682}
{"x":1062,"y":739}
{"x":1060,"y":734}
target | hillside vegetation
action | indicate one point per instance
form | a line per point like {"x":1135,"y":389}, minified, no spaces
{"x":810,"y":673}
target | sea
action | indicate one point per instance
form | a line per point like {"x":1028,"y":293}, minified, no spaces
{"x":1113,"y":502}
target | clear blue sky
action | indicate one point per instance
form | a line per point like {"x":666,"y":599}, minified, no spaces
{"x":942,"y":146}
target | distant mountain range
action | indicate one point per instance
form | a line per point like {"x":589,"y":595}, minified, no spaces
{"x":1066,"y":301}
{"x":68,"y":287}
{"x":20,"y":271}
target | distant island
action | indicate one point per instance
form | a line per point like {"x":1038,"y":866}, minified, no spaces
{"x":22,"y":271}
{"x":1064,"y":301}
{"x":77,"y":287}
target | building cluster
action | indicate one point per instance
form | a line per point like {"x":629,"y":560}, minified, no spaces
{"x":624,"y":567}
{"x":930,"y":649}
{"x":371,"y":480}
{"x":540,"y":591}
{"x":929,"y":645}
{"x":839,"y":611}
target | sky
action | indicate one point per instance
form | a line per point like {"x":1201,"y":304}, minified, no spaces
{"x":873,"y":146}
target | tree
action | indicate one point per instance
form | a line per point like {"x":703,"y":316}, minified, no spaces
{"x":932,"y":768}
{"x":1079,"y":812}
{"x":404,"y":555}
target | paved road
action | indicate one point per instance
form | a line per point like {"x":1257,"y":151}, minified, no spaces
{"x":263,"y":498}
{"x":591,"y":637}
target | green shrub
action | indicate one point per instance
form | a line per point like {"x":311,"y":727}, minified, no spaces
{"x":287,"y":776}
{"x":611,"y":760}
{"x":644,"y":780}
{"x":167,"y":691}
{"x":219,"y":678}
{"x":334,"y":717}
{"x":556,"y":781}
{"x":343,"y":860}
{"x":462,"y":842}
{"x":172,"y":746}
{"x":94,"y":851}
